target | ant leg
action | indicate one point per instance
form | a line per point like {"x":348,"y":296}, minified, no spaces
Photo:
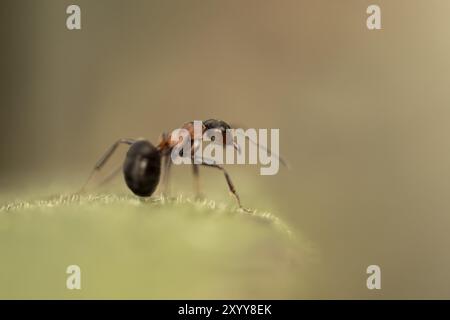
{"x":229,"y":182}
{"x":167,"y":166}
{"x":105,"y":157}
{"x":111,"y":176}
{"x":198,"y":194}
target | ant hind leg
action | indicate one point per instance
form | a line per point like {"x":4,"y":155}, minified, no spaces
{"x":105,"y":157}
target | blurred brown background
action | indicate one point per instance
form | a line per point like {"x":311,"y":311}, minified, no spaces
{"x":363,"y":115}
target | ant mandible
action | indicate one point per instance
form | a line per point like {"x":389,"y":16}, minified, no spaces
{"x":142,"y":165}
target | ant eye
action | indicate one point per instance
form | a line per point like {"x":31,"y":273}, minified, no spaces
{"x":213,"y":138}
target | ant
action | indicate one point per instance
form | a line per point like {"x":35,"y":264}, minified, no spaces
{"x":142,"y":165}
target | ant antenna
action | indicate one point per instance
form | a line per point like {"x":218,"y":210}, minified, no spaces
{"x":267,"y":149}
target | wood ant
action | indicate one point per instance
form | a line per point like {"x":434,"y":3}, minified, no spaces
{"x":142,"y":165}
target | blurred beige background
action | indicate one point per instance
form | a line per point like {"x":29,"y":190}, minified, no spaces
{"x":363,"y":115}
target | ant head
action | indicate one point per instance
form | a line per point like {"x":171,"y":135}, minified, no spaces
{"x":222,"y":127}
{"x":142,"y":168}
{"x":216,"y":124}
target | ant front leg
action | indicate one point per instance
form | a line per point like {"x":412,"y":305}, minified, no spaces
{"x":105,"y":157}
{"x":229,"y":182}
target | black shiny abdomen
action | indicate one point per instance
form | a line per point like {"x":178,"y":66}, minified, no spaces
{"x":142,"y":168}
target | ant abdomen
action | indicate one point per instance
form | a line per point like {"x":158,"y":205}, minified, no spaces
{"x":142,"y":168}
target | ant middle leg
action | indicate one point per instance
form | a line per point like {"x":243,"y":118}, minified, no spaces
{"x":195,"y":171}
{"x":165,"y":183}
